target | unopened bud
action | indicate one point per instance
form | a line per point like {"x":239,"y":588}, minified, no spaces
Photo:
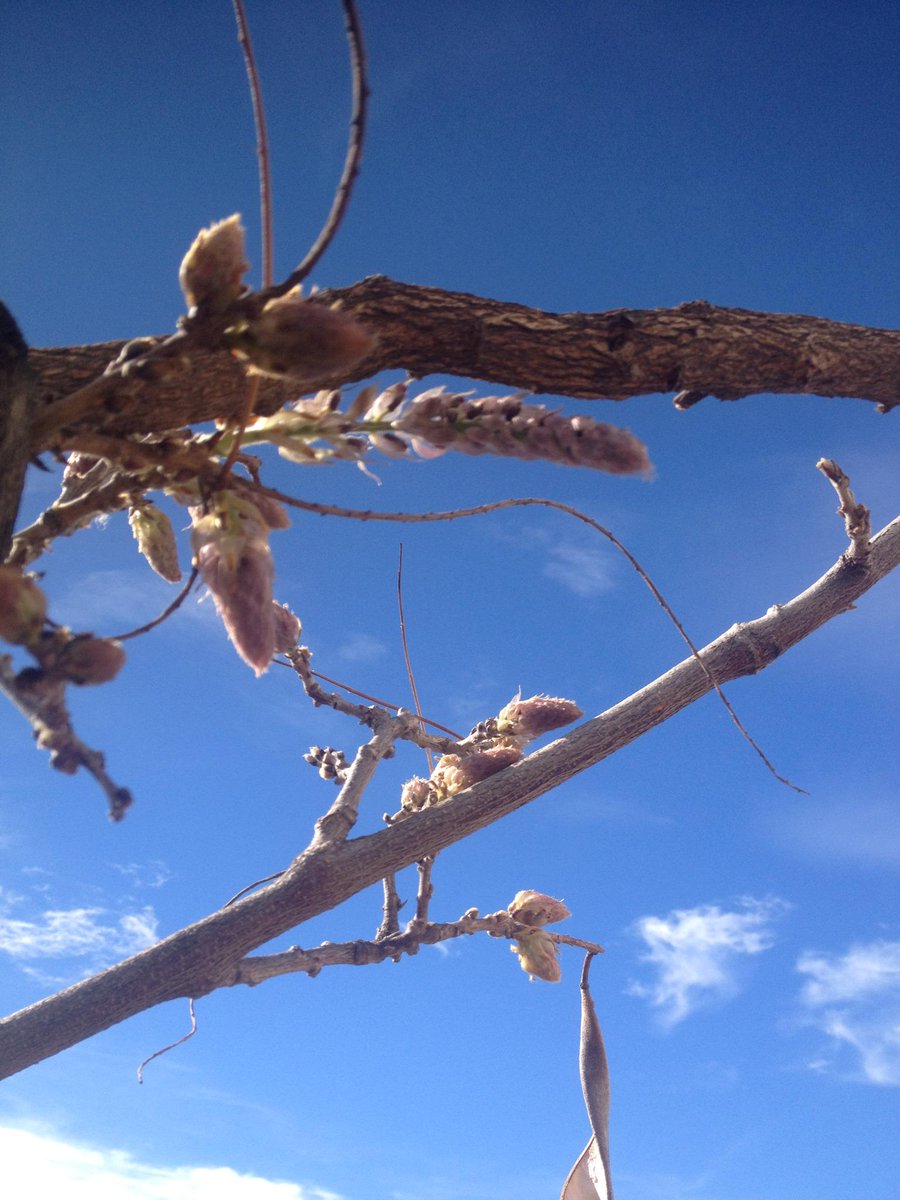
{"x":456,"y":772}
{"x":534,"y":908}
{"x":300,"y":339}
{"x":538,"y":956}
{"x":530,"y":718}
{"x":287,"y":628}
{"x":416,"y":794}
{"x":87,"y":659}
{"x":23,"y":607}
{"x":156,"y":540}
{"x":213,"y":269}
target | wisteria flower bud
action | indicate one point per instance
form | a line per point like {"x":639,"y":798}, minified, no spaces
{"x":213,"y":269}
{"x":23,"y":607}
{"x":538,"y":956}
{"x":530,"y":718}
{"x":287,"y":628}
{"x":231,"y":552}
{"x":156,"y":540}
{"x":456,"y":772}
{"x":534,"y":908}
{"x":88,"y":660}
{"x":416,"y":794}
{"x":300,"y":339}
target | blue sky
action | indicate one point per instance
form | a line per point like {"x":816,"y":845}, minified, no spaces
{"x":578,"y":156}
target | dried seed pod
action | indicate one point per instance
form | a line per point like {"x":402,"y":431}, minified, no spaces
{"x":213,"y":269}
{"x":23,"y":607}
{"x":156,"y":540}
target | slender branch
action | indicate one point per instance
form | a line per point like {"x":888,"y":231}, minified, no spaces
{"x":165,"y":614}
{"x":195,"y":959}
{"x":172,"y":1045}
{"x":410,"y":675}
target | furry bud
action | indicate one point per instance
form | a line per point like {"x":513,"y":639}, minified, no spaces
{"x":534,"y":908}
{"x":538,"y":956}
{"x":213,"y":269}
{"x":23,"y":607}
{"x":87,"y":659}
{"x":156,"y":540}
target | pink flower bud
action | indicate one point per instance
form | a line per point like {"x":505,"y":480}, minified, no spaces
{"x":534,"y":908}
{"x":23,"y":607}
{"x":231,"y":552}
{"x":88,"y":660}
{"x":287,"y":628}
{"x":300,"y":339}
{"x":213,"y":269}
{"x":538,"y":956}
{"x":456,"y":772}
{"x":530,"y":718}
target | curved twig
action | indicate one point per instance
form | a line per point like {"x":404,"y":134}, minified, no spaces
{"x":351,"y":162}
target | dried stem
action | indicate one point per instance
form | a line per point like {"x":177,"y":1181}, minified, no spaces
{"x":406,"y":658}
{"x":171,"y":1046}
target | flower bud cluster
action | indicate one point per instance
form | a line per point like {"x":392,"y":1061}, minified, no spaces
{"x":331,"y":763}
{"x":230,"y":541}
{"x":492,"y":746}
{"x":538,"y":953}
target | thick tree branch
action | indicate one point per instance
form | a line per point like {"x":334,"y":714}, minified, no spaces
{"x":696,"y":349}
{"x":192,"y":961}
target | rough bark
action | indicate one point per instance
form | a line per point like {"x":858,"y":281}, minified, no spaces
{"x":205,"y":955}
{"x":697,"y":349}
{"x":17,"y":399}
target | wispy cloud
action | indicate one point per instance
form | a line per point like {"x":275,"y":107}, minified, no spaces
{"x":361,"y":648}
{"x":854,"y":998}
{"x":152,"y":874}
{"x":36,"y":1164}
{"x":76,"y":933}
{"x":117,"y":598}
{"x":585,"y":570}
{"x":696,"y":952}
{"x":850,"y":829}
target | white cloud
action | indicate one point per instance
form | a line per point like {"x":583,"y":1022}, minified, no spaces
{"x":696,"y":953}
{"x":854,"y":998}
{"x":845,"y":829}
{"x":76,"y":932}
{"x":362,"y":647}
{"x":584,"y":570}
{"x":35,"y":1164}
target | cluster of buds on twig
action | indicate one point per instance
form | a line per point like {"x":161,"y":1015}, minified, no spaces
{"x":537,"y":951}
{"x":230,"y":541}
{"x":492,"y":746}
{"x":331,"y":764}
{"x":317,"y":430}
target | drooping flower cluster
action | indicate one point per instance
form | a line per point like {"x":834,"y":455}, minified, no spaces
{"x":317,"y":430}
{"x":230,"y":541}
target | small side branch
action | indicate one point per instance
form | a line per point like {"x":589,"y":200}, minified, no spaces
{"x":857,"y":521}
{"x":257,"y":968}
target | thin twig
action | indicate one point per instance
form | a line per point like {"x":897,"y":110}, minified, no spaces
{"x":250,"y":887}
{"x":331,"y":510}
{"x":171,"y":1045}
{"x":262,"y":142}
{"x":352,"y":160}
{"x":165,"y":614}
{"x":857,"y":520}
{"x":406,"y":658}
